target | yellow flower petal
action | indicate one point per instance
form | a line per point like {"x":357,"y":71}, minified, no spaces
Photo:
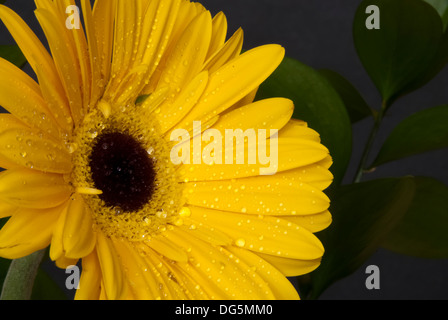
{"x":21,"y":96}
{"x":219,"y":33}
{"x":207,"y":264}
{"x":8,"y":121}
{"x":33,"y":189}
{"x":187,"y":58}
{"x":173,"y":111}
{"x":314,"y":222}
{"x":65,"y":59}
{"x":269,"y":235}
{"x":258,"y":195}
{"x":7,"y":210}
{"x":143,"y":287}
{"x":57,"y":246}
{"x":30,"y":45}
{"x":27,"y":231}
{"x":111,"y":269}
{"x":293,"y":153}
{"x":103,"y":19}
{"x":150,"y":275}
{"x":297,"y":128}
{"x":234,"y":81}
{"x":90,"y":282}
{"x":281,"y":287}
{"x":291,"y":267}
{"x":78,"y":236}
{"x":264,"y":114}
{"x":230,"y":50}
{"x":316,"y":175}
{"x":167,"y":248}
{"x":31,"y":149}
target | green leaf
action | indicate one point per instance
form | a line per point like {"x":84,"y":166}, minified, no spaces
{"x":423,"y":232}
{"x":421,"y":132}
{"x":317,"y":103}
{"x":442,"y":8}
{"x":357,"y":107}
{"x":445,"y":19}
{"x":363,"y":215}
{"x":13,"y":54}
{"x":403,"y":54}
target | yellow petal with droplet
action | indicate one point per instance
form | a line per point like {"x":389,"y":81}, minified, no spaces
{"x":34,"y":150}
{"x":30,"y":45}
{"x":167,"y":248}
{"x":314,"y":222}
{"x":219,"y":273}
{"x":257,"y":195}
{"x":264,"y":114}
{"x":268,"y":235}
{"x":33,"y":189}
{"x":187,"y":58}
{"x":292,"y":153}
{"x":21,"y":96}
{"x":175,"y":110}
{"x":143,"y":287}
{"x":233,"y":81}
{"x":64,"y":56}
{"x":230,"y":50}
{"x":316,"y":175}
{"x":281,"y":287}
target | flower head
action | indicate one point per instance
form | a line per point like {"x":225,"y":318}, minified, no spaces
{"x":92,"y":167}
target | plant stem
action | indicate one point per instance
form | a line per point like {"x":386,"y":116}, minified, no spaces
{"x":19,"y":281}
{"x":365,"y":155}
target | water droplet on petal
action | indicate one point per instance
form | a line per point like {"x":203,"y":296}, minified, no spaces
{"x":240,"y":243}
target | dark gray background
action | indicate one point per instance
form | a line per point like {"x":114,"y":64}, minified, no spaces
{"x":318,"y":33}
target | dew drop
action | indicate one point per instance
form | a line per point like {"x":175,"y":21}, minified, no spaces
{"x":240,"y":243}
{"x":185,"y":212}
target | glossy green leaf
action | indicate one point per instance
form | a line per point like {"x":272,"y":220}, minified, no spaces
{"x":363,"y":215}
{"x":423,"y":232}
{"x":442,"y":9}
{"x":357,"y":107}
{"x":317,"y":103}
{"x":13,"y":54}
{"x":421,"y":132}
{"x":403,"y":54}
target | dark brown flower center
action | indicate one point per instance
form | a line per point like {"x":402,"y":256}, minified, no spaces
{"x":123,"y":171}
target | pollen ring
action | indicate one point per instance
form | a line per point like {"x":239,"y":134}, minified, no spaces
{"x":127,"y":159}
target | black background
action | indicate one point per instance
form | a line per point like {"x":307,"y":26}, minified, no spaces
{"x":319,"y":33}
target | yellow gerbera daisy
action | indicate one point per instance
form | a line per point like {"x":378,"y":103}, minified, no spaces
{"x":88,"y":152}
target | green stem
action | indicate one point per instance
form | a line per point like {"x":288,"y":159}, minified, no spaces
{"x":19,"y":281}
{"x":365,"y":155}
